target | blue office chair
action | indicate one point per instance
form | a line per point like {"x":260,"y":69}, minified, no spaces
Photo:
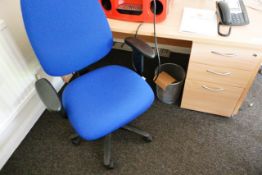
{"x":69,"y":35}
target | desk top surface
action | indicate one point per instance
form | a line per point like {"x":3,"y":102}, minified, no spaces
{"x":242,"y":36}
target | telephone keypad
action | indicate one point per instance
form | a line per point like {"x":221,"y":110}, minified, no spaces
{"x":237,"y":19}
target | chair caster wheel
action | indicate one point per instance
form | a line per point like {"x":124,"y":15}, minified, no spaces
{"x":148,"y":139}
{"x":110,"y":165}
{"x":76,"y":141}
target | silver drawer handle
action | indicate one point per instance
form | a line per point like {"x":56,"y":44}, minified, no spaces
{"x":213,"y":89}
{"x":224,"y":54}
{"x":219,"y":73}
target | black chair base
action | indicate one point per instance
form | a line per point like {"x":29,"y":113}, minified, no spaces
{"x":108,"y":161}
{"x":146,"y":136}
{"x":75,"y":139}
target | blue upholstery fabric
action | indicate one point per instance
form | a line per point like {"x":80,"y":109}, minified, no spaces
{"x":66,"y":35}
{"x":103,"y":100}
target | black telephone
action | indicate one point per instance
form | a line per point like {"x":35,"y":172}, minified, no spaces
{"x":232,"y":13}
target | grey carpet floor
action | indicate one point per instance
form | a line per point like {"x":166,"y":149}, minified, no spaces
{"x":185,"y":143}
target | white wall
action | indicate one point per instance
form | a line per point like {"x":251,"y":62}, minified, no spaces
{"x":10,"y":12}
{"x":15,"y":132}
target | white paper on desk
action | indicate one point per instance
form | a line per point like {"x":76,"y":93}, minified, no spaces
{"x":254,"y":4}
{"x":199,"y":21}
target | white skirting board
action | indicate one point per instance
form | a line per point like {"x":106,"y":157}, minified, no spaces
{"x":16,"y":131}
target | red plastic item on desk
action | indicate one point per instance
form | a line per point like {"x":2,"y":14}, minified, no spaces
{"x":135,"y":10}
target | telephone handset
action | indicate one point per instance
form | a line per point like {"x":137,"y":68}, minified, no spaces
{"x":223,"y":13}
{"x":231,"y":13}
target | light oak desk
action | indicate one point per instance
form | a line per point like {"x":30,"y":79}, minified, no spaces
{"x":221,"y":69}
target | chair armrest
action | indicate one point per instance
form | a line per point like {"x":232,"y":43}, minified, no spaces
{"x":140,"y":46}
{"x":48,"y":95}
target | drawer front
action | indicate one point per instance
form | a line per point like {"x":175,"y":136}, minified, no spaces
{"x":220,"y":75}
{"x":239,"y":58}
{"x":211,"y":98}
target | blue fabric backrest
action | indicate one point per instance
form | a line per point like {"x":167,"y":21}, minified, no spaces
{"x":66,"y":35}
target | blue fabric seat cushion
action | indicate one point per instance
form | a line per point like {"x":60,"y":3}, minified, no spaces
{"x":105,"y":99}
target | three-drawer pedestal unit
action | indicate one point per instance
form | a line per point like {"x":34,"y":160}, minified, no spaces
{"x":219,"y":78}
